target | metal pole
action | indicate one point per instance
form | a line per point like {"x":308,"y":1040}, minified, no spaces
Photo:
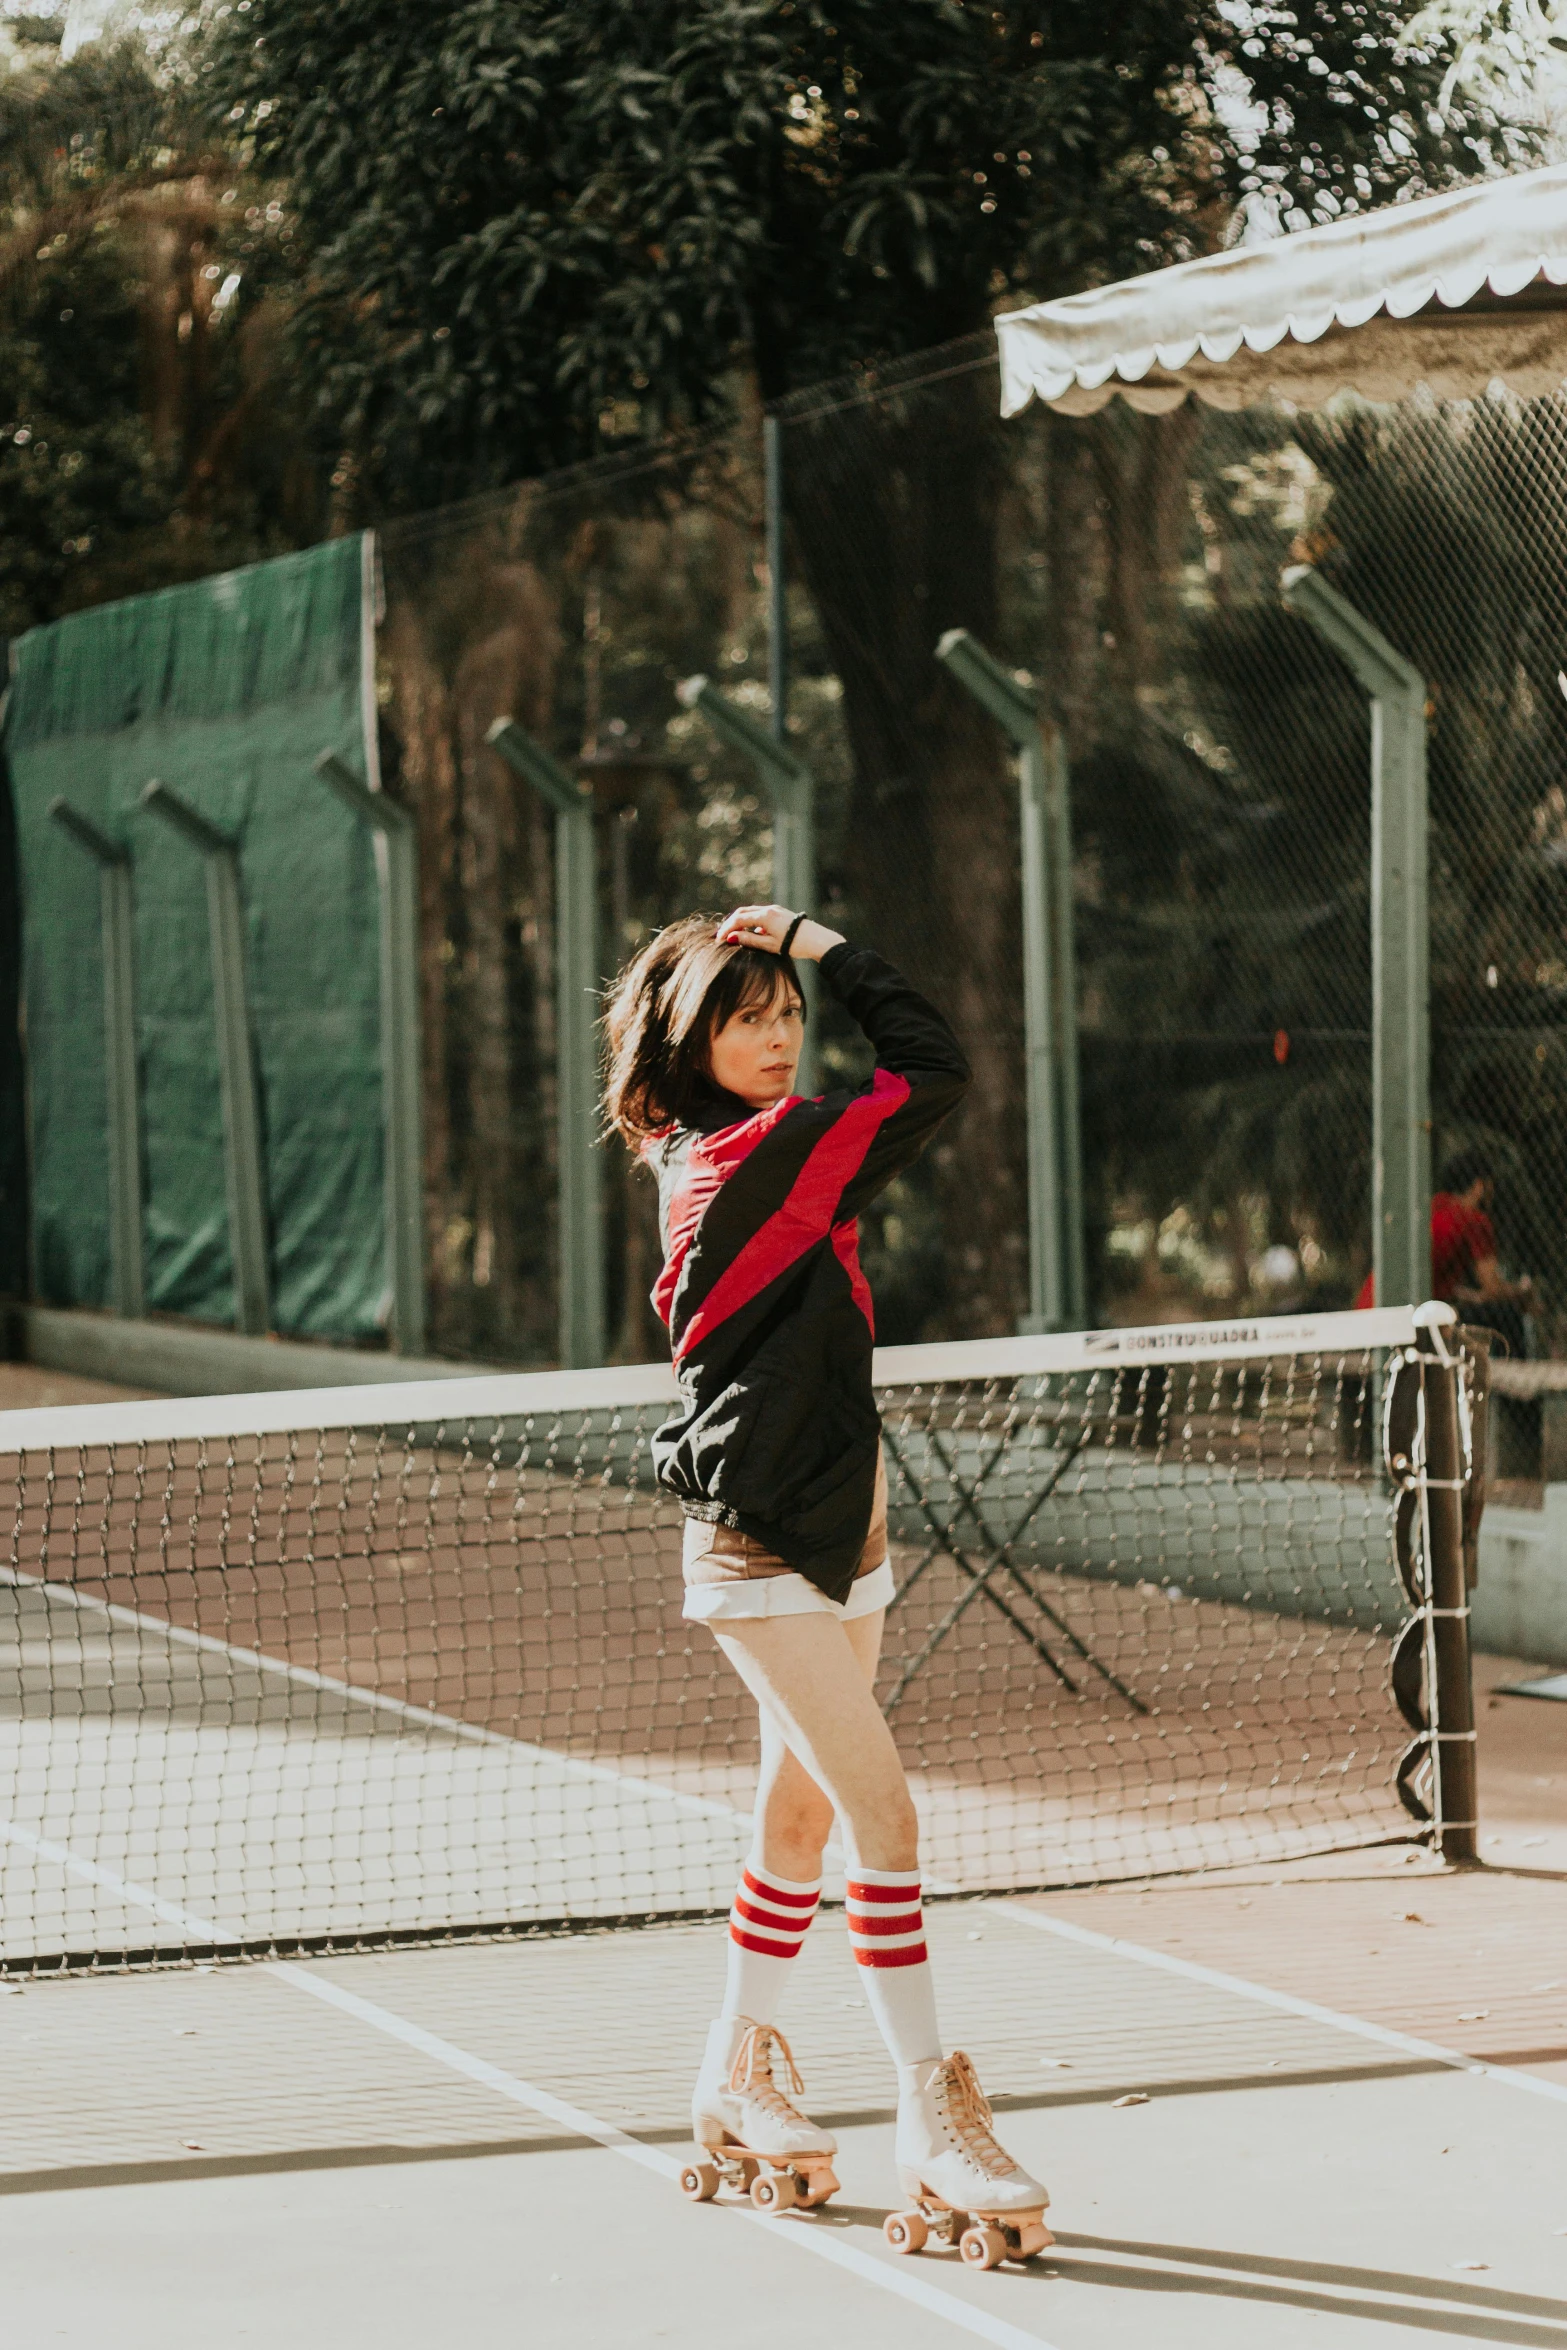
{"x":401,"y":1106}
{"x":1047,"y":1280}
{"x":792,"y":790}
{"x":579,"y":1164}
{"x":1449,"y":1678}
{"x":1063,"y":935}
{"x":777,"y":578}
{"x":246,"y":1181}
{"x":1057,"y":1274}
{"x":126,"y":1276}
{"x":1400,"y":988}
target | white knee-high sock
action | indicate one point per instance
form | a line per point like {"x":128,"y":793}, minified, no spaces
{"x":766,"y":1928}
{"x":887,"y":1935}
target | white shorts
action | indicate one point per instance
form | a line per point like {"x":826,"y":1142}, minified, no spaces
{"x":729,"y":1574}
{"x":787,"y":1595}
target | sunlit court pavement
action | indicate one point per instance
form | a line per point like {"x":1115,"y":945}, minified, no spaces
{"x":198,"y":2155}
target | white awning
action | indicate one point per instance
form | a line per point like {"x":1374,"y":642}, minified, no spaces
{"x":1451,"y":292}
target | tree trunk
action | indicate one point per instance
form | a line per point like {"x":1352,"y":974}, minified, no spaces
{"x":894,"y":506}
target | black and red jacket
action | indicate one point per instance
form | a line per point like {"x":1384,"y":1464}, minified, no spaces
{"x":769,"y":1313}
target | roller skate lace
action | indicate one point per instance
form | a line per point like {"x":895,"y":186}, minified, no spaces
{"x":751,"y":2074}
{"x":965,"y":2110}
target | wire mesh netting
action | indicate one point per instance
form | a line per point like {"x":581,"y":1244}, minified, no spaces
{"x":274,"y":1681}
{"x":1128,"y":566}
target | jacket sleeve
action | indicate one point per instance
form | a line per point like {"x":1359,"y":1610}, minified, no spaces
{"x":921,"y":1074}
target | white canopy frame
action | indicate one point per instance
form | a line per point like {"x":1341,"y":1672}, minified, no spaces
{"x":1451,"y":292}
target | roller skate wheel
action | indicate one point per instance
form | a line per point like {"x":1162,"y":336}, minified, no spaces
{"x":982,"y":2247}
{"x":906,"y":2231}
{"x":699,"y":2180}
{"x":777,"y":2190}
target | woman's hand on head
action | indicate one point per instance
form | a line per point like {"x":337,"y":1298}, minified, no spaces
{"x":768,"y":926}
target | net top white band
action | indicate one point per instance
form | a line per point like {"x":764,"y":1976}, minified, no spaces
{"x":459,"y":1403}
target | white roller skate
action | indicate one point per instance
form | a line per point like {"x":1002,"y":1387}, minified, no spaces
{"x":742,"y":2121}
{"x":963,"y":2185}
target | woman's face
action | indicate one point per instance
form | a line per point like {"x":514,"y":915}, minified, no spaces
{"x":756,"y":1051}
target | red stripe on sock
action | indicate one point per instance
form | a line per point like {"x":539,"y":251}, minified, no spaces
{"x":771,"y":1918}
{"x":764,"y":1949}
{"x":907,"y":1923}
{"x":905,"y":1893}
{"x":776,"y":1894}
{"x":917,"y":1956}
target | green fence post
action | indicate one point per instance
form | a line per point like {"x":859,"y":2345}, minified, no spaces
{"x":791,"y":787}
{"x":119,"y":1056}
{"x":397,"y":863}
{"x":236,"y":1058}
{"x":1058,"y":1283}
{"x":578,"y":1161}
{"x":1400,"y":922}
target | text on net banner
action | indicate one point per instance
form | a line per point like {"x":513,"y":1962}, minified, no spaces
{"x":225,"y":690}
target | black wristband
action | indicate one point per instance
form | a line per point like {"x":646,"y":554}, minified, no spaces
{"x":788,"y":938}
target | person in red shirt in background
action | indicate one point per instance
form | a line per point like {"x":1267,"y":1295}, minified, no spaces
{"x":1464,"y":1270}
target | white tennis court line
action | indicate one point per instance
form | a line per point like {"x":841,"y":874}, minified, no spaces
{"x":180,"y":1637}
{"x":907,"y":2283}
{"x":133,"y":1895}
{"x":1510,"y":2077}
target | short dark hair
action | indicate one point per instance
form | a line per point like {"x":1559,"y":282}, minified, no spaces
{"x":1463,"y":1167}
{"x":663,"y":1013}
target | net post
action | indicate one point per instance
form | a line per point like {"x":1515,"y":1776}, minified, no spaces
{"x":117,"y":918}
{"x":236,"y":1056}
{"x":1449,"y":1677}
{"x":1057,"y":1272}
{"x":401,"y":1108}
{"x":791,"y":787}
{"x":579,"y":1162}
{"x":1400,"y":987}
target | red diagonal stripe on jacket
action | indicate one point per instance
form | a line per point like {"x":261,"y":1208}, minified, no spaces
{"x":846,"y":1248}
{"x":806,"y":1214}
{"x":710,"y":1161}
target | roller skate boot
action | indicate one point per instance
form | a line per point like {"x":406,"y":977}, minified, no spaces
{"x":749,"y":2133}
{"x":964,"y":2187}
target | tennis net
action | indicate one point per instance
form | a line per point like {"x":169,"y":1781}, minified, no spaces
{"x":357,"y":1666}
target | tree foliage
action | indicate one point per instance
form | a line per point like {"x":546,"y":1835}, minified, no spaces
{"x":534,"y":228}
{"x":144,"y":435}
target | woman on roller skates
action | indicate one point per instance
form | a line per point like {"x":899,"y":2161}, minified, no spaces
{"x":775,"y":1456}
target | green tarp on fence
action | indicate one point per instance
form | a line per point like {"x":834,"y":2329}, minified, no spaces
{"x":226,"y":690}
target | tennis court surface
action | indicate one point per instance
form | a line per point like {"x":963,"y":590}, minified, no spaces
{"x":367,"y":1808}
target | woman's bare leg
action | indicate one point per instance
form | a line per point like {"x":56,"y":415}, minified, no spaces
{"x":811,"y":1677}
{"x":793,"y":1816}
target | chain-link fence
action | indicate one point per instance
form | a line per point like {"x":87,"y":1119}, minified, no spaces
{"x":1128,"y":565}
